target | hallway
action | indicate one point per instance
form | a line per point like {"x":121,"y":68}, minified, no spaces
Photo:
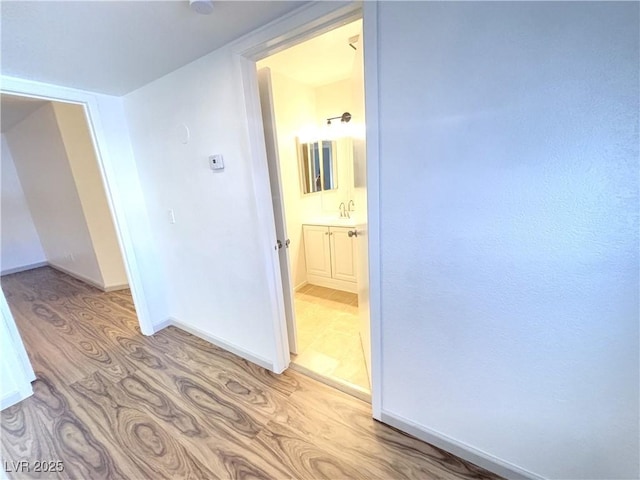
{"x":111,"y":403}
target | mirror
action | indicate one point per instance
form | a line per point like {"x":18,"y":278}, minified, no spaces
{"x":318,"y":166}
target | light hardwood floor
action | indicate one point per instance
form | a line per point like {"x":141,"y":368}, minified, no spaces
{"x":111,"y":403}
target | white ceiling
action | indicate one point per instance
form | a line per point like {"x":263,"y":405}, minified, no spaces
{"x":15,"y":109}
{"x":319,"y":61}
{"x":115,"y":47}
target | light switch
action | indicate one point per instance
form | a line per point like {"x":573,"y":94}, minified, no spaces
{"x":216,"y":162}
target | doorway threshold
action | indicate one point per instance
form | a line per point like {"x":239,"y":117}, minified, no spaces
{"x":346,"y":387}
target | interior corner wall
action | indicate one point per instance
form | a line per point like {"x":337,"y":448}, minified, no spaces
{"x":20,"y":246}
{"x":149,"y":281}
{"x":211,"y":253}
{"x":81,"y":156}
{"x":509,"y":162}
{"x":41,"y":162}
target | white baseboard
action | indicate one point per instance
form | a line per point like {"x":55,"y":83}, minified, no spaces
{"x":82,"y":278}
{"x":14,"y":397}
{"x":93,"y":283}
{"x":336,"y":284}
{"x":162,"y":325}
{"x":115,"y":288}
{"x":23,"y":268}
{"x":77,"y":276}
{"x":302,"y":284}
{"x":460,"y":449}
{"x":218,"y":342}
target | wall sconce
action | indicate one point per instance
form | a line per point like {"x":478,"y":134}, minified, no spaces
{"x":344,"y":118}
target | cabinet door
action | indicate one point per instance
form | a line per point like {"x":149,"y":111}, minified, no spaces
{"x":343,"y":257}
{"x":316,"y":250}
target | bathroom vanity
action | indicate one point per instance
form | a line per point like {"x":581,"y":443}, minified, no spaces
{"x":330,"y":255}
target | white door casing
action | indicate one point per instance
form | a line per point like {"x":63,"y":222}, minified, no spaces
{"x":15,"y":368}
{"x":311,"y":20}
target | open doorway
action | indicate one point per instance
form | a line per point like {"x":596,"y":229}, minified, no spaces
{"x":312,"y":98}
{"x":60,"y":252}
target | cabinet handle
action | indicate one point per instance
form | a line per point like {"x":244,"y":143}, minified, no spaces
{"x":352,"y":233}
{"x":326,"y":233}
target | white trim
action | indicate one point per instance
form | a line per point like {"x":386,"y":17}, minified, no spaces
{"x":164,"y":324}
{"x":15,"y":396}
{"x":337,"y":383}
{"x":17,"y":362}
{"x":119,"y":286}
{"x":77,"y":276}
{"x":371,"y":96}
{"x":82,"y":278}
{"x":85,"y":279}
{"x":218,"y":342}
{"x":90,"y":101}
{"x":297,"y":26}
{"x":23,"y":268}
{"x":335,"y":283}
{"x":460,"y":449}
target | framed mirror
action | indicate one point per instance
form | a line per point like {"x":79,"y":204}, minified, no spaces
{"x":318,"y":166}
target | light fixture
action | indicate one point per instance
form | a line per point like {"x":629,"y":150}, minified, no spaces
{"x":344,"y":118}
{"x":204,"y":7}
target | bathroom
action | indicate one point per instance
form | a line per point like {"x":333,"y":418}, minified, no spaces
{"x":316,"y":100}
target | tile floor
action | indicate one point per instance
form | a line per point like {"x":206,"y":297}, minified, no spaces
{"x":329,"y":335}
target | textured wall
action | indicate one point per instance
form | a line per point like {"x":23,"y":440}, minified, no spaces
{"x":509,"y":229}
{"x":211,"y":254}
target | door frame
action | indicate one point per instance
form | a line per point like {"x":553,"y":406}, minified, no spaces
{"x":91,"y":105}
{"x":303,"y":24}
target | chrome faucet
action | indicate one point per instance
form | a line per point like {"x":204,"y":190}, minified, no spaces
{"x":349,"y":208}
{"x":343,"y":210}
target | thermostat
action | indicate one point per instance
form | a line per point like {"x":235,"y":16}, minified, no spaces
{"x":216,"y":162}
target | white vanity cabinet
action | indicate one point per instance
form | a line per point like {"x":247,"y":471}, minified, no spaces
{"x":330,"y":255}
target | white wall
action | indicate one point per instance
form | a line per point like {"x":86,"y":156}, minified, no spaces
{"x":509,"y":229}
{"x":333,"y":100}
{"x":211,"y":254}
{"x":20,"y":244}
{"x":44,"y":171}
{"x":149,"y":282}
{"x":81,"y":156}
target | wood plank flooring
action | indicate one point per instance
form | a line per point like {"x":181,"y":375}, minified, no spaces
{"x":113,"y":404}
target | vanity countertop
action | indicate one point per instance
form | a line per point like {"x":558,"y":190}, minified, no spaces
{"x":330,"y":221}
